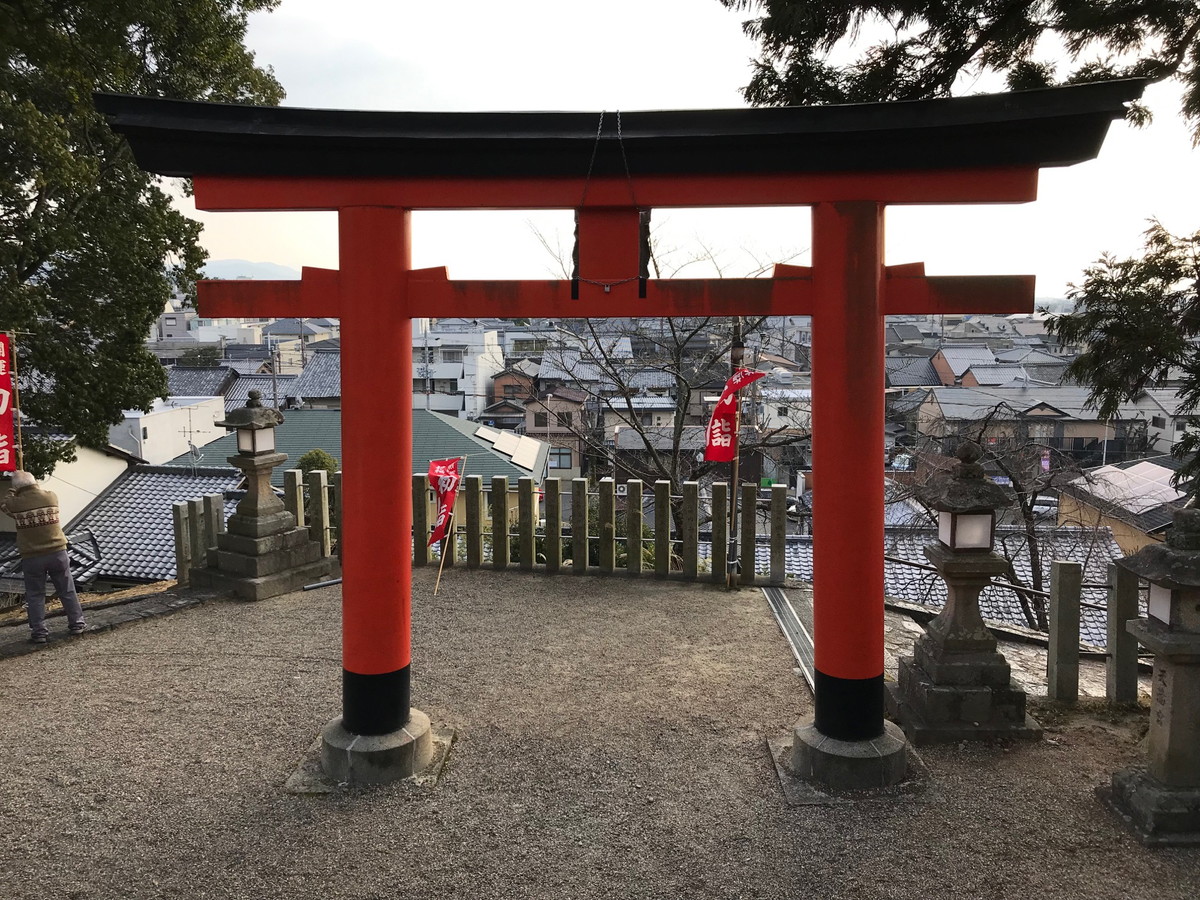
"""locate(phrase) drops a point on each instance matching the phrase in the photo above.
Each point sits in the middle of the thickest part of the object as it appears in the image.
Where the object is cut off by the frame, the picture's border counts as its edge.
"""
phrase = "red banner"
(8, 457)
(721, 443)
(444, 476)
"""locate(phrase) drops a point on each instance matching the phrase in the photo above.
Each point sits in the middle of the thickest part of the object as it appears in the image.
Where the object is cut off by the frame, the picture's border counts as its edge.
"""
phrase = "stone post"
(1161, 799)
(956, 686)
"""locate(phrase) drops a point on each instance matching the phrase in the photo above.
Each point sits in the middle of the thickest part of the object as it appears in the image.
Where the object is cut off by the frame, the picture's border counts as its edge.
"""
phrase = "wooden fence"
(529, 529)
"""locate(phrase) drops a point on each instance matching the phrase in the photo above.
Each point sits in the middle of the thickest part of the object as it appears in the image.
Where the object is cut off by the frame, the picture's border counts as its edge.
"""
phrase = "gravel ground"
(611, 742)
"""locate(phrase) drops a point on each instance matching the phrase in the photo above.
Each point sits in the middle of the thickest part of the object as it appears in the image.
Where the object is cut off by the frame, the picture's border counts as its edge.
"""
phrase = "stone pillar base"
(246, 587)
(1158, 814)
(377, 758)
(849, 765)
(933, 713)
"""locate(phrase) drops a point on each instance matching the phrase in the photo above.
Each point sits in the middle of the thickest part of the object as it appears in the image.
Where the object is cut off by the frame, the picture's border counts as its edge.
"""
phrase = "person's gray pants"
(58, 567)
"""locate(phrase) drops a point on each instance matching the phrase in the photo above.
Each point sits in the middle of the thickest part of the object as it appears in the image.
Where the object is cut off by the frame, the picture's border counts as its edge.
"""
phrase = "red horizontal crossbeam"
(316, 293)
(1005, 185)
(908, 291)
(431, 294)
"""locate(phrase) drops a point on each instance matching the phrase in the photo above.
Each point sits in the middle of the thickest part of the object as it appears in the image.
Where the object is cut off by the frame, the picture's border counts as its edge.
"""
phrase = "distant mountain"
(243, 268)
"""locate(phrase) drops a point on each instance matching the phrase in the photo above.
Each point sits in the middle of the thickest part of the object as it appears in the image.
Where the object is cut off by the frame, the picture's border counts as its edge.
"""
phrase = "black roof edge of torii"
(1048, 127)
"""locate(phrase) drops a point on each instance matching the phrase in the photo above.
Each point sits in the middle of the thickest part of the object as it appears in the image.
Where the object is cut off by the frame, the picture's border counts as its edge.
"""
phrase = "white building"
(170, 428)
(453, 369)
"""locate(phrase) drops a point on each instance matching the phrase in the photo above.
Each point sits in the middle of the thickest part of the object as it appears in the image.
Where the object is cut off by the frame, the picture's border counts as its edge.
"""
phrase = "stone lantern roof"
(965, 488)
(1175, 563)
(253, 416)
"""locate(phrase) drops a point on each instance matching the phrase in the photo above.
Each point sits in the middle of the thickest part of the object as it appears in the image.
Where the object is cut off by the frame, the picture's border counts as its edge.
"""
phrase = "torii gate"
(848, 163)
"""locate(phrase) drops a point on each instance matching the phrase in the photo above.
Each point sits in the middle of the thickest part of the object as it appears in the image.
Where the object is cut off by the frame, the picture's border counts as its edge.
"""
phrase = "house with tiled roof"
(274, 390)
(505, 415)
(909, 372)
(1135, 499)
(319, 385)
(953, 360)
(131, 523)
(199, 381)
(1059, 418)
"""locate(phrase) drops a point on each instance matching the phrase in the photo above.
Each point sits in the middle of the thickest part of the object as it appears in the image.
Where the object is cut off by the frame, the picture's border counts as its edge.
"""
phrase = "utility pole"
(274, 372)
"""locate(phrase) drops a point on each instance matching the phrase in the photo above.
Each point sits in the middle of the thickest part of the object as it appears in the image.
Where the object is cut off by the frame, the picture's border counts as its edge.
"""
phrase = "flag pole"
(449, 535)
(736, 350)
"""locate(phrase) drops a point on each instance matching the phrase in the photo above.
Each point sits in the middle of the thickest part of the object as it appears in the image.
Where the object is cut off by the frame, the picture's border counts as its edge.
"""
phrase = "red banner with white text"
(8, 456)
(721, 442)
(444, 476)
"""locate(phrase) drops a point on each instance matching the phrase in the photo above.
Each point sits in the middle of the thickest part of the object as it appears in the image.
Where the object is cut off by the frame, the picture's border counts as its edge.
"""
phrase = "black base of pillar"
(375, 704)
(848, 709)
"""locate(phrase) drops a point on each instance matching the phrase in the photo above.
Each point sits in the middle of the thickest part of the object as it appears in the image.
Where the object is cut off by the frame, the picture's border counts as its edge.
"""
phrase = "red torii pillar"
(847, 291)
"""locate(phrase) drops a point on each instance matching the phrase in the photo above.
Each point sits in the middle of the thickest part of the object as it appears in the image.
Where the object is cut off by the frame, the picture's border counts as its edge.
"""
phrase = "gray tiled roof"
(959, 359)
(131, 521)
(1093, 548)
(972, 403)
(1000, 374)
(910, 371)
(293, 326)
(239, 391)
(199, 381)
(322, 377)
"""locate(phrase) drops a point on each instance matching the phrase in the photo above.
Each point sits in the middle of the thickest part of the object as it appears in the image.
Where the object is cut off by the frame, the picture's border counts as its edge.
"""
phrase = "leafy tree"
(1138, 319)
(924, 48)
(201, 356)
(317, 459)
(90, 246)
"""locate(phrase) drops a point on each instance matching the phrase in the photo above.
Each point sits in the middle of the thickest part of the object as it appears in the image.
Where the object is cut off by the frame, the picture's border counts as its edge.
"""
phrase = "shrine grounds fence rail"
(536, 530)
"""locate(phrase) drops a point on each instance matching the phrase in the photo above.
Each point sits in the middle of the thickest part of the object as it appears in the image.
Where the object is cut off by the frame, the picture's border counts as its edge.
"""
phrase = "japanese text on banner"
(444, 476)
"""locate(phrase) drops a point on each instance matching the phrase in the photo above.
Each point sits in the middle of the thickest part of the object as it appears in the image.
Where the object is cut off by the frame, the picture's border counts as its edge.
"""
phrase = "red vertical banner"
(8, 456)
(721, 445)
(444, 477)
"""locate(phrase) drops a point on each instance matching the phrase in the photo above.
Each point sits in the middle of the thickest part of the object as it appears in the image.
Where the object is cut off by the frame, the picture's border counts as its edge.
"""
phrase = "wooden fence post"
(579, 526)
(778, 533)
(749, 523)
(606, 526)
(1121, 672)
(552, 490)
(690, 525)
(720, 531)
(633, 526)
(183, 541)
(420, 535)
(1062, 657)
(662, 528)
(474, 503)
(318, 494)
(293, 494)
(526, 537)
(499, 522)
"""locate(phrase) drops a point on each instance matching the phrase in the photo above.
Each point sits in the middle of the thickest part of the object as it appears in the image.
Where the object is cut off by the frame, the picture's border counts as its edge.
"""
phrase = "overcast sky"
(662, 54)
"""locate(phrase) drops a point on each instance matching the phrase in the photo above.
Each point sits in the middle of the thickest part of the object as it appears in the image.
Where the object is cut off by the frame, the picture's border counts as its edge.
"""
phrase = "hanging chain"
(592, 162)
(608, 285)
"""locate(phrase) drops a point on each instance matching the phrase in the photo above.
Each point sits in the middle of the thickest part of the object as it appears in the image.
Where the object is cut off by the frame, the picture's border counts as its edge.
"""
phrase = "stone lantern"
(262, 553)
(956, 686)
(1161, 799)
